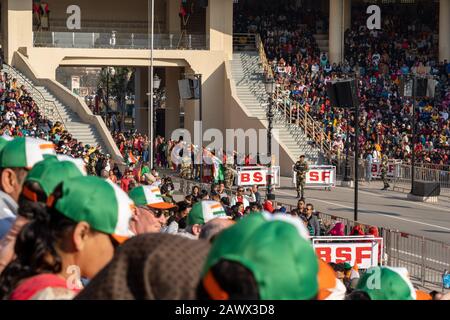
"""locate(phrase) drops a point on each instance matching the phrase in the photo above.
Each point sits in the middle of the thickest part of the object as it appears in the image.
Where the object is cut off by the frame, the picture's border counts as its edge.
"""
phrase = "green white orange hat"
(25, 152)
(76, 161)
(48, 174)
(387, 283)
(204, 211)
(4, 140)
(149, 196)
(276, 250)
(100, 203)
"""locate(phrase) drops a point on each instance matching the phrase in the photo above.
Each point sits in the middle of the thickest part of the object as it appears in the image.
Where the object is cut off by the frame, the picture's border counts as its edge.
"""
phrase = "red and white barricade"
(364, 251)
(255, 175)
(318, 176)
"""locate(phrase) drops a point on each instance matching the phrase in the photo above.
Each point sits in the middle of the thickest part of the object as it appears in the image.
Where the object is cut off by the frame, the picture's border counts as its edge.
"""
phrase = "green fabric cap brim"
(281, 260)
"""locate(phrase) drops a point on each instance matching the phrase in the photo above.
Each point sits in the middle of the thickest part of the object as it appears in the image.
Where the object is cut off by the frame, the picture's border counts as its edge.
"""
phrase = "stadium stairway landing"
(248, 77)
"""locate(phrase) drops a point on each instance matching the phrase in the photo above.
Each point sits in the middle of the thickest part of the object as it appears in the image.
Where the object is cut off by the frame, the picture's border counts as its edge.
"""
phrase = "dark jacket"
(315, 225)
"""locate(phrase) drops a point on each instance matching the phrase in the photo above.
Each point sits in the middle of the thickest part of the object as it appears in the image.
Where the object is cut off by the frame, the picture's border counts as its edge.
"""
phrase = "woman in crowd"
(72, 237)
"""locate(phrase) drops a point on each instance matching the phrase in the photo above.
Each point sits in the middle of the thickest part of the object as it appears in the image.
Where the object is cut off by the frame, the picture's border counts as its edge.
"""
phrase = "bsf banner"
(392, 164)
(318, 176)
(249, 176)
(363, 251)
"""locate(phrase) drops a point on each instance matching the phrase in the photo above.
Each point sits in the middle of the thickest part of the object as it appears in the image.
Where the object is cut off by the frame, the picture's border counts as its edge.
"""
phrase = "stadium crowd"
(378, 59)
(83, 229)
(58, 238)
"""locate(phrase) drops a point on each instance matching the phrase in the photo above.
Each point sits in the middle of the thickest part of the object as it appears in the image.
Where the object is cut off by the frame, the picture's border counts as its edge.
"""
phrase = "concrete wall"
(219, 22)
(107, 10)
(237, 116)
(17, 26)
(76, 103)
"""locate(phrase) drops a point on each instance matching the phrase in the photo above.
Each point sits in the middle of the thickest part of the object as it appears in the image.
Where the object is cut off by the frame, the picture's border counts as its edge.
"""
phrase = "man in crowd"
(201, 213)
(313, 222)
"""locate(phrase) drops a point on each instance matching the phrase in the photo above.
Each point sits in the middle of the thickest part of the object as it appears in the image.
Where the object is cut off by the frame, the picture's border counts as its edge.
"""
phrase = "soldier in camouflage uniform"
(300, 168)
(384, 170)
(229, 172)
(186, 164)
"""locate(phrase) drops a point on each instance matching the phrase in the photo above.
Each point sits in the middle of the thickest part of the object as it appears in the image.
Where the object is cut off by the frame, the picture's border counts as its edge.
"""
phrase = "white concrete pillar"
(18, 27)
(444, 30)
(173, 24)
(172, 118)
(347, 14)
(336, 31)
(141, 100)
(219, 26)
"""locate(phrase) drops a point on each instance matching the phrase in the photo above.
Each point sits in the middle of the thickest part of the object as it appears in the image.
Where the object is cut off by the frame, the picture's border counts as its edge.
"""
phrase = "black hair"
(225, 201)
(31, 209)
(203, 194)
(35, 246)
(338, 267)
(357, 295)
(235, 279)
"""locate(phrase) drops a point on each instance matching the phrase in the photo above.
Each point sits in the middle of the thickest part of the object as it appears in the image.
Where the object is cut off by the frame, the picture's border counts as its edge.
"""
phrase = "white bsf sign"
(365, 252)
(249, 176)
(392, 165)
(318, 176)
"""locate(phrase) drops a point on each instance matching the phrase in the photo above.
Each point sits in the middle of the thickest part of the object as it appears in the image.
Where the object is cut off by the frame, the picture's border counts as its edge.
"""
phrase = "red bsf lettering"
(363, 253)
(257, 177)
(245, 177)
(344, 254)
(324, 254)
(324, 175)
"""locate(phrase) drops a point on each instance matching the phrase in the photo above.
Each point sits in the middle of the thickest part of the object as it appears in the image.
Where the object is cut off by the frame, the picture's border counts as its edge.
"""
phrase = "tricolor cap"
(84, 199)
(4, 141)
(387, 283)
(276, 250)
(62, 157)
(149, 196)
(25, 152)
(330, 288)
(49, 173)
(204, 211)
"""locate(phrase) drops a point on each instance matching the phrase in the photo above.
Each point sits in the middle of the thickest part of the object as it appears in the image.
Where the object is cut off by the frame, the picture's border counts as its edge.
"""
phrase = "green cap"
(204, 211)
(149, 196)
(101, 203)
(51, 172)
(387, 283)
(25, 152)
(276, 249)
(4, 140)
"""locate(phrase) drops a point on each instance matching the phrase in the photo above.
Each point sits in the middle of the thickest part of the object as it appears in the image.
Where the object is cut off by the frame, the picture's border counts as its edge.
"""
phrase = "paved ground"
(392, 210)
(382, 208)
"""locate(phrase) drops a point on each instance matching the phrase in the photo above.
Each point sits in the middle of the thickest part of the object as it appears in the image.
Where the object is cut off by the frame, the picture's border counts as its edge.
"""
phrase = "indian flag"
(218, 169)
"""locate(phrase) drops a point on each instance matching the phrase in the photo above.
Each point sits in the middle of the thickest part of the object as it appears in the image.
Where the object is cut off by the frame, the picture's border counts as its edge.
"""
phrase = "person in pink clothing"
(338, 230)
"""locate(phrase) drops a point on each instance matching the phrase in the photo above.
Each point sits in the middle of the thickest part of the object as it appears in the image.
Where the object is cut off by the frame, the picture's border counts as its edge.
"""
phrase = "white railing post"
(132, 40)
(73, 39)
(171, 41)
(93, 40)
(53, 38)
(190, 42)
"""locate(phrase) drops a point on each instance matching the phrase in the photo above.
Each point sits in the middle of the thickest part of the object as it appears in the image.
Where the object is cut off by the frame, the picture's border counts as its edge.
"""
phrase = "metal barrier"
(425, 259)
(114, 40)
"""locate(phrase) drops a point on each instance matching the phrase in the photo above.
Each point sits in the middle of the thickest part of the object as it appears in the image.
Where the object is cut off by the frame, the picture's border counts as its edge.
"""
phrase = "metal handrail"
(312, 128)
(38, 97)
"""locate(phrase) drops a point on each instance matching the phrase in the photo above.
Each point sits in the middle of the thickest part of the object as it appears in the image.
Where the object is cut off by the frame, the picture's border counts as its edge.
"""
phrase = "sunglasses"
(240, 190)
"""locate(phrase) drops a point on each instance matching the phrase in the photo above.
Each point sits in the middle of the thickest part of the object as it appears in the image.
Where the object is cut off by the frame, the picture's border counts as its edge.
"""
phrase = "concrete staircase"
(248, 77)
(322, 42)
(81, 131)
